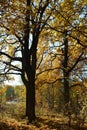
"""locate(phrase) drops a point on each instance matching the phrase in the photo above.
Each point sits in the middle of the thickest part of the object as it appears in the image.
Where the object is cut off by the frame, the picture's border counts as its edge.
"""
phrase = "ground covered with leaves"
(44, 123)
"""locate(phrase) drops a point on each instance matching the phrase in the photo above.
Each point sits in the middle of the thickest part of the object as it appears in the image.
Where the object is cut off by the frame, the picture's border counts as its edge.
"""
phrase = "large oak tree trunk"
(30, 95)
(30, 102)
(28, 77)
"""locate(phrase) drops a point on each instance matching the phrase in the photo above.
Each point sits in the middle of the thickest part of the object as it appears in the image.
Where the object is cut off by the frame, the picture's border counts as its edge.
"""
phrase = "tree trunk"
(30, 102)
(30, 98)
(65, 70)
(66, 89)
(28, 77)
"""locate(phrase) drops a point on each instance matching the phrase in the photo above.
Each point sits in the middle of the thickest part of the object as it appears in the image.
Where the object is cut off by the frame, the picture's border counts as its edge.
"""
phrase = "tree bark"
(65, 70)
(66, 89)
(29, 81)
(30, 102)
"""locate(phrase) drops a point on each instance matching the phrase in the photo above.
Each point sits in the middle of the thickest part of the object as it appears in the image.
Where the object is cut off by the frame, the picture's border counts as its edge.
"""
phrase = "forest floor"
(43, 123)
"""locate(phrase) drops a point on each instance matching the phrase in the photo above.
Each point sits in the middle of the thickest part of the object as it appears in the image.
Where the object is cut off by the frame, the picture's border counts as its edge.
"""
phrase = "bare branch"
(50, 69)
(74, 65)
(12, 58)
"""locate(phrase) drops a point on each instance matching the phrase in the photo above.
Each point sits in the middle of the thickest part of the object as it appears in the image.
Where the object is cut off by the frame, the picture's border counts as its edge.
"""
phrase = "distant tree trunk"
(66, 89)
(50, 96)
(65, 70)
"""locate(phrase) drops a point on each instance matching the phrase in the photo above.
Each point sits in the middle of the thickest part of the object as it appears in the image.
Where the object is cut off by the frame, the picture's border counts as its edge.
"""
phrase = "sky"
(16, 81)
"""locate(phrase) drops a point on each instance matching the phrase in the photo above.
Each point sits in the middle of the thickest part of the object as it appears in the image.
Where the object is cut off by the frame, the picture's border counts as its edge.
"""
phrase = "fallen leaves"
(39, 124)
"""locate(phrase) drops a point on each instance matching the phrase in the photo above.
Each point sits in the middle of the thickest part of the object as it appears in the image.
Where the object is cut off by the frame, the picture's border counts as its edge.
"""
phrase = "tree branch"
(12, 58)
(74, 65)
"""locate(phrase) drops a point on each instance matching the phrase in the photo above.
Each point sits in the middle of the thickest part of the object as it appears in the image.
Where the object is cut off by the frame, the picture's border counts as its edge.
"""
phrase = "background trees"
(71, 39)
